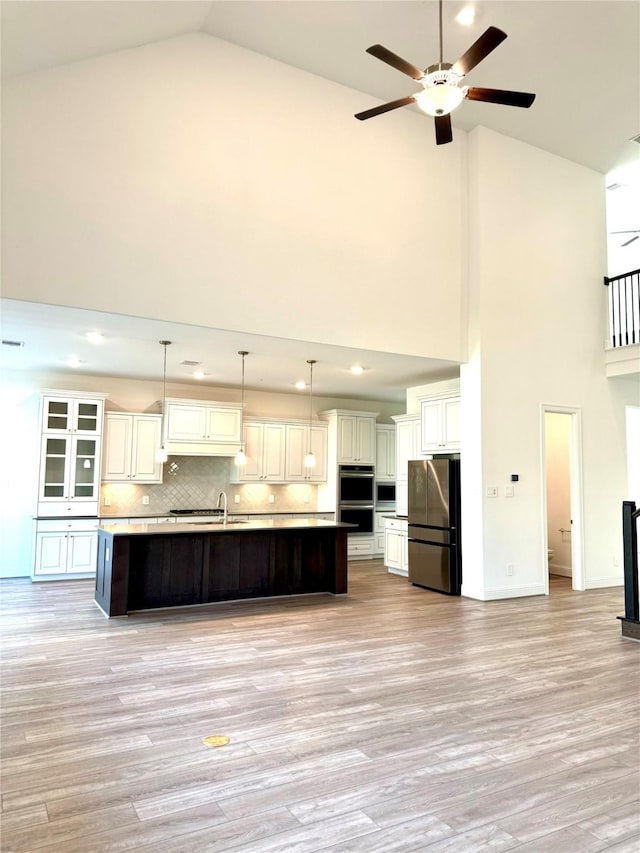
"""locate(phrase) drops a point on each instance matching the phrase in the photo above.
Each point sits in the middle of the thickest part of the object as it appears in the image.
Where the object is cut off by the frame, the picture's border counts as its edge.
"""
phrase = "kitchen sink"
(225, 523)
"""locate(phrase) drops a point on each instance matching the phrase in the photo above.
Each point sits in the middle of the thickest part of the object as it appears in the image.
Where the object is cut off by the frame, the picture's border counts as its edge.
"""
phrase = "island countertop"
(230, 526)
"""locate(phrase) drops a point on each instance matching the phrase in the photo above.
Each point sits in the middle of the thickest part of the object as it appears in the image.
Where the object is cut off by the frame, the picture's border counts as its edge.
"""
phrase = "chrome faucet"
(220, 497)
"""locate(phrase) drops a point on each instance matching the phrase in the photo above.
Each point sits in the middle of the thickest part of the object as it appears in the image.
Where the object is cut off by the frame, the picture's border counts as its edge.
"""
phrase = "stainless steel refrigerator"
(434, 524)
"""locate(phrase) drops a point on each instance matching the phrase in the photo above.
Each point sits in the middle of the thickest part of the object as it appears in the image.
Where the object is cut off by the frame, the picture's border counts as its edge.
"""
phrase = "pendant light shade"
(161, 453)
(310, 459)
(241, 456)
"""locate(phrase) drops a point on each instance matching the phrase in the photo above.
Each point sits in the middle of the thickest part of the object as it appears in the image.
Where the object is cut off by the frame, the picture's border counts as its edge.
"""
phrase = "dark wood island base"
(141, 567)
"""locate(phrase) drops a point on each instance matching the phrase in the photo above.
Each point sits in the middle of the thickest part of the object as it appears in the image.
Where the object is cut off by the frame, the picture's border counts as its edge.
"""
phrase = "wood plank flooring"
(388, 720)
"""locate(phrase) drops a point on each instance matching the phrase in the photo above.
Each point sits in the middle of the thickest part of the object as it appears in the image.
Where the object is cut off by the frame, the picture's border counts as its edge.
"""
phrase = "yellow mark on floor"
(215, 740)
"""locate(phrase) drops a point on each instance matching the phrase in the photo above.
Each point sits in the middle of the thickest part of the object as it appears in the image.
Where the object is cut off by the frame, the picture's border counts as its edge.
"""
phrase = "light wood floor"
(389, 720)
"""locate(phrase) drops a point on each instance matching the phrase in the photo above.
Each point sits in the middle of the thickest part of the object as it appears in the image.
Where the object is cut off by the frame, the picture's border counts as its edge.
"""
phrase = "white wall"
(537, 255)
(195, 181)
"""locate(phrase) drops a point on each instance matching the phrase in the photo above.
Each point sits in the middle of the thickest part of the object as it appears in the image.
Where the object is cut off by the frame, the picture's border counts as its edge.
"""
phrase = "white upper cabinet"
(265, 452)
(198, 427)
(131, 442)
(440, 425)
(356, 439)
(298, 446)
(67, 415)
(276, 453)
(385, 452)
(70, 454)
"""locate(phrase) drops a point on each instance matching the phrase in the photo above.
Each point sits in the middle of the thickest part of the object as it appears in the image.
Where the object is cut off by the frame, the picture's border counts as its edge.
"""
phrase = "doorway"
(562, 495)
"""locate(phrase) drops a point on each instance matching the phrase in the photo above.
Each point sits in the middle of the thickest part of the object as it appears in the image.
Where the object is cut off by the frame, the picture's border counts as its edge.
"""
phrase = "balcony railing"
(624, 309)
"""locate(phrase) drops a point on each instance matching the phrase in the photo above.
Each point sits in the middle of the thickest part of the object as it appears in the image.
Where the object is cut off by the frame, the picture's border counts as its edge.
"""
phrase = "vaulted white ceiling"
(580, 58)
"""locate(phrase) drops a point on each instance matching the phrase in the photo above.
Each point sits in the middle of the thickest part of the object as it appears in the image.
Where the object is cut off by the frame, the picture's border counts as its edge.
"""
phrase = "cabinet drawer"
(67, 526)
(360, 548)
(396, 524)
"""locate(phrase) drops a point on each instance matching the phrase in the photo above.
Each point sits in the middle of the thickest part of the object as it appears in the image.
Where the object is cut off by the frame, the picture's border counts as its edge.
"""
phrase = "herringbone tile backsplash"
(194, 482)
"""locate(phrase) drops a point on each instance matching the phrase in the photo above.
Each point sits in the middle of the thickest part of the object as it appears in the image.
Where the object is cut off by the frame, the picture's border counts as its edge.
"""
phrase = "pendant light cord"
(440, 18)
(243, 353)
(165, 344)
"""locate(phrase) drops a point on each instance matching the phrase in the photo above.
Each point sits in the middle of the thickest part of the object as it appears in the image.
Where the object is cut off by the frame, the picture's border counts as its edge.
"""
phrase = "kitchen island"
(146, 566)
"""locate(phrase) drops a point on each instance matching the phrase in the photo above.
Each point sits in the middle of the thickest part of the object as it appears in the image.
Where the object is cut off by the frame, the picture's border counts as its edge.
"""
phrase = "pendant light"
(161, 454)
(241, 456)
(310, 459)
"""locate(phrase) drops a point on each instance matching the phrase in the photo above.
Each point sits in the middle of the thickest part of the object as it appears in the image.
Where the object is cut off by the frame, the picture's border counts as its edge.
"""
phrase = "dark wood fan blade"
(395, 61)
(500, 96)
(488, 41)
(384, 108)
(443, 129)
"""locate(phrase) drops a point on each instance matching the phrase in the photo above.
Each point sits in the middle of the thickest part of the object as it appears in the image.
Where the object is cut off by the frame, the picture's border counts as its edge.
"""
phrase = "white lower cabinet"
(379, 533)
(395, 546)
(65, 548)
(360, 547)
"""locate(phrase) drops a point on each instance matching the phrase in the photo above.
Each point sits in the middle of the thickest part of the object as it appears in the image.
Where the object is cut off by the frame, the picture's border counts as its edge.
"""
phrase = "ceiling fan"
(441, 91)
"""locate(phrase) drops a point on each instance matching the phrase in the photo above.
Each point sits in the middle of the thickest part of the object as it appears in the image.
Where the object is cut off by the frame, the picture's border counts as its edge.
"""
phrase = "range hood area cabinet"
(131, 443)
(202, 427)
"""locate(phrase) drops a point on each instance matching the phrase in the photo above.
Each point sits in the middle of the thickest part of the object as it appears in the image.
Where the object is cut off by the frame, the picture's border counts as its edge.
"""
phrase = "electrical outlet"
(306, 499)
(145, 500)
(236, 499)
(272, 499)
(107, 501)
(509, 569)
(492, 491)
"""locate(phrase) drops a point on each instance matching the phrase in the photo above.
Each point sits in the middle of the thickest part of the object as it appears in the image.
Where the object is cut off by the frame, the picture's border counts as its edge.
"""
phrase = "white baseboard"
(497, 593)
(564, 571)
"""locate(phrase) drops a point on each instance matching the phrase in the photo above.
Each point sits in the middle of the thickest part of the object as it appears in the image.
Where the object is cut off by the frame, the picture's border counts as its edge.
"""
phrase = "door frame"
(576, 489)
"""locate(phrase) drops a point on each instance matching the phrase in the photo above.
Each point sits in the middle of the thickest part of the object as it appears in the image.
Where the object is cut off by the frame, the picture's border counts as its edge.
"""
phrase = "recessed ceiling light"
(74, 362)
(300, 385)
(94, 337)
(198, 374)
(356, 369)
(466, 16)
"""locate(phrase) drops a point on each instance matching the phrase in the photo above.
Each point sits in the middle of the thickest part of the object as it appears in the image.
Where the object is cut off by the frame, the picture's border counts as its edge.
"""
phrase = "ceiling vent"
(6, 343)
(191, 363)
(635, 139)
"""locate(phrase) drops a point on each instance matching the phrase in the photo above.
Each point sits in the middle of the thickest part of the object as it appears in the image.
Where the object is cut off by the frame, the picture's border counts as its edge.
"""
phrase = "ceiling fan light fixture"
(441, 93)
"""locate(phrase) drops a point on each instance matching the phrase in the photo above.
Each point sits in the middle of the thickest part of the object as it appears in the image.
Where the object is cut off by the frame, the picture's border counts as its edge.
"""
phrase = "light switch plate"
(508, 491)
(272, 499)
(236, 499)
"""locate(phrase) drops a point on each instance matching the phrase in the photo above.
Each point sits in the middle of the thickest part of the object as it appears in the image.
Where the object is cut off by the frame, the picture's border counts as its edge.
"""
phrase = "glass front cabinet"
(70, 456)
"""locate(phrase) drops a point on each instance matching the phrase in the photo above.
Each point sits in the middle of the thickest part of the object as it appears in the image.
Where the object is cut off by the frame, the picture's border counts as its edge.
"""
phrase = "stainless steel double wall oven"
(356, 496)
